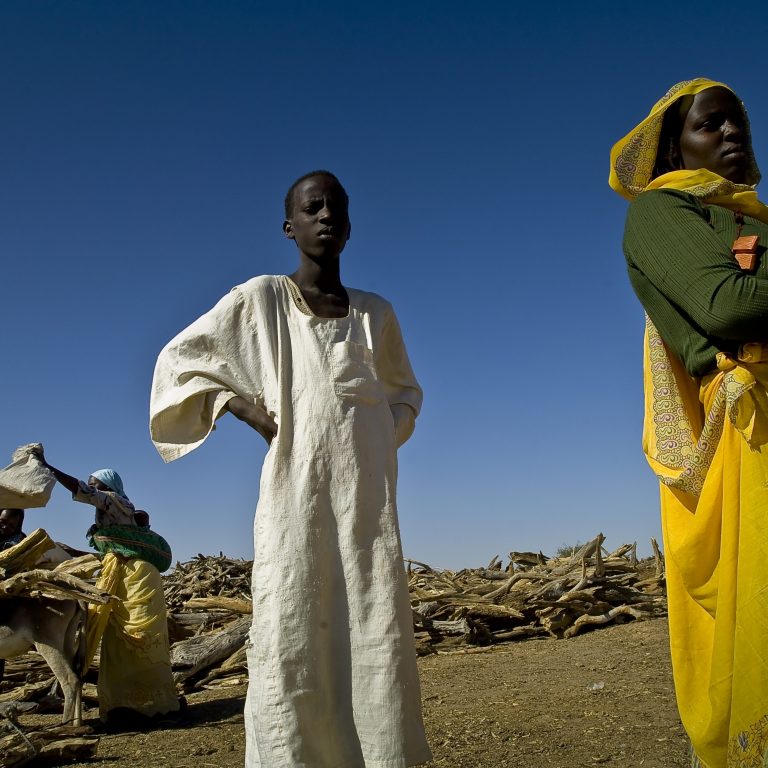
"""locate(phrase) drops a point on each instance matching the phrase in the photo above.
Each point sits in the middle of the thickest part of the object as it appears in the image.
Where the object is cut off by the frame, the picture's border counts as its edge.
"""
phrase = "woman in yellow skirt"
(135, 677)
(695, 247)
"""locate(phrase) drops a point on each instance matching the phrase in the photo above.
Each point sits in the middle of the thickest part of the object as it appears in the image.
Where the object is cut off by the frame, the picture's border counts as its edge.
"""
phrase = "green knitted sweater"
(678, 253)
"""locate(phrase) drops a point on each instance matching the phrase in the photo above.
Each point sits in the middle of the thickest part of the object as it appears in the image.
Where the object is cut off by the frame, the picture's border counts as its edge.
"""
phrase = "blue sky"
(147, 147)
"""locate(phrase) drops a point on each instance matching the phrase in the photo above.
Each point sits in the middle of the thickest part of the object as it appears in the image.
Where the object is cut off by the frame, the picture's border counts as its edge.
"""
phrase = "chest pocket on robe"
(354, 375)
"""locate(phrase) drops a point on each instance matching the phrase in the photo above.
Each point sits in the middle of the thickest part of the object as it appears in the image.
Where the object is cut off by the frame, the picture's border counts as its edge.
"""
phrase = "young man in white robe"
(320, 371)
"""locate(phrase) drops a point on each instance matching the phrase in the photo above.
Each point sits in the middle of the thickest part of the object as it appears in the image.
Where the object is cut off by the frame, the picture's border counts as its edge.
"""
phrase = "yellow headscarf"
(633, 159)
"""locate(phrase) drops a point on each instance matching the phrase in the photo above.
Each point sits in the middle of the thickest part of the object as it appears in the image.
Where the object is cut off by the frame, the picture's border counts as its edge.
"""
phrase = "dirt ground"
(602, 698)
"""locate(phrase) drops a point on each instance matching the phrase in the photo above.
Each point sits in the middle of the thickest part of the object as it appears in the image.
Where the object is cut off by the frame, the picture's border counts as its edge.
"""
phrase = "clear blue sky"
(146, 149)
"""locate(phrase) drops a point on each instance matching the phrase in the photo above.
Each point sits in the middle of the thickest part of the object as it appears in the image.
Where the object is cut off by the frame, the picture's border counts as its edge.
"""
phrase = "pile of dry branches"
(53, 584)
(30, 679)
(209, 606)
(209, 600)
(49, 746)
(534, 595)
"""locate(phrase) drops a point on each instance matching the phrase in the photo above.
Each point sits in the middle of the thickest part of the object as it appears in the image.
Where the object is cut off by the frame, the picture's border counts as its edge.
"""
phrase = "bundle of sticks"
(534, 595)
(44, 746)
(209, 606)
(53, 584)
(28, 680)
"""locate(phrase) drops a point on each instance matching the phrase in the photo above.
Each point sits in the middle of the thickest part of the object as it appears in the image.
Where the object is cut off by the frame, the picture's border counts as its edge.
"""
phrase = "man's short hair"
(290, 193)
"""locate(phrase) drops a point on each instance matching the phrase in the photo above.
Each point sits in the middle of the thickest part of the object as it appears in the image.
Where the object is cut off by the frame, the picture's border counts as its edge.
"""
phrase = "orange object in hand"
(745, 251)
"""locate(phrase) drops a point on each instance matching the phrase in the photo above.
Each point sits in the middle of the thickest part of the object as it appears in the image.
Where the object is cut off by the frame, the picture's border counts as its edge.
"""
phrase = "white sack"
(25, 482)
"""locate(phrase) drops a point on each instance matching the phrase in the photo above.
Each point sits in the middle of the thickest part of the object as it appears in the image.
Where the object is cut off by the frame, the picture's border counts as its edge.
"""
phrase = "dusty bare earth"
(602, 698)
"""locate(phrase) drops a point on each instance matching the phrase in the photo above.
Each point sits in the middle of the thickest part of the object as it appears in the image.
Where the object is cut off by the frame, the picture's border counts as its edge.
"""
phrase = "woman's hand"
(72, 484)
(254, 416)
(37, 452)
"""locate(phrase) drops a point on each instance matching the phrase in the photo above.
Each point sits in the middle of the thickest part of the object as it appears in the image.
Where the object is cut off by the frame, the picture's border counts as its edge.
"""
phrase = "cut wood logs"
(535, 595)
(209, 606)
(52, 746)
(207, 577)
(42, 582)
(26, 553)
(189, 657)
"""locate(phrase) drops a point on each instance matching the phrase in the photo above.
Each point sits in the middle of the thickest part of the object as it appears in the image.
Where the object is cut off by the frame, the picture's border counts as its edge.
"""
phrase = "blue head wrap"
(111, 479)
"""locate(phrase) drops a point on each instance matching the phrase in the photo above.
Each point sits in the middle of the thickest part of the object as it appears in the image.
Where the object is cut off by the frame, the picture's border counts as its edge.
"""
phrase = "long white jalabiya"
(332, 669)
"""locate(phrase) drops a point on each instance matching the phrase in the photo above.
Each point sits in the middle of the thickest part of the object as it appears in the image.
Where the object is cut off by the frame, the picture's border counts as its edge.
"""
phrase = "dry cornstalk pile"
(534, 595)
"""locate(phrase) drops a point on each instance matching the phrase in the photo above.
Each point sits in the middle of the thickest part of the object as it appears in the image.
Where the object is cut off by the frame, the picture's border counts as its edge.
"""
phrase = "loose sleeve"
(111, 507)
(396, 374)
(199, 371)
(669, 239)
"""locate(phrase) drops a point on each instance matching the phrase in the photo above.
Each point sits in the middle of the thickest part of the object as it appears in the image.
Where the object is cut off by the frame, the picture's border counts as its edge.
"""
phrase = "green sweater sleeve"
(670, 240)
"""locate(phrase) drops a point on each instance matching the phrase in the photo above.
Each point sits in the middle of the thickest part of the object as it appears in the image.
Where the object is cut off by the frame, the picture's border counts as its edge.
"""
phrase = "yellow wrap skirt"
(708, 444)
(135, 667)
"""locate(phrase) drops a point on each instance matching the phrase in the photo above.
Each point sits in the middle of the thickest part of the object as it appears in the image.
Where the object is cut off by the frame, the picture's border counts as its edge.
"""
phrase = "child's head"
(317, 215)
(290, 194)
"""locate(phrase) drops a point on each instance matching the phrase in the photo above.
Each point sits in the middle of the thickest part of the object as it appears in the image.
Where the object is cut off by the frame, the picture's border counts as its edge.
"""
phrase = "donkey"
(56, 628)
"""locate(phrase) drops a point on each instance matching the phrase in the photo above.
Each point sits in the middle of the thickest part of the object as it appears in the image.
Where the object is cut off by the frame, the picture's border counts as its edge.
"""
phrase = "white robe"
(332, 669)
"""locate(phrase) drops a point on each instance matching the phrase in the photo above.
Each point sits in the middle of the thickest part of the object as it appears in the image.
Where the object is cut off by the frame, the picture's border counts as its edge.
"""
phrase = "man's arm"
(254, 416)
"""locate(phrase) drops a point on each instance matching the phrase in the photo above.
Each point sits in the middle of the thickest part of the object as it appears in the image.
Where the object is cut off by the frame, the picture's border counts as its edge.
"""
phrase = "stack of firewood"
(207, 577)
(534, 595)
(26, 684)
(209, 606)
(52, 584)
(45, 746)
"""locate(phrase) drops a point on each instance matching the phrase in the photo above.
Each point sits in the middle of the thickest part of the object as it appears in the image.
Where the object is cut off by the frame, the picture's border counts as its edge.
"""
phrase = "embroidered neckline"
(298, 299)
(303, 307)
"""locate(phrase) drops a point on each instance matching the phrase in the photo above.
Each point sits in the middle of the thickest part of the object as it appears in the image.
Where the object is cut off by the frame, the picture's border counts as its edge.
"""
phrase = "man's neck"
(321, 278)
(321, 286)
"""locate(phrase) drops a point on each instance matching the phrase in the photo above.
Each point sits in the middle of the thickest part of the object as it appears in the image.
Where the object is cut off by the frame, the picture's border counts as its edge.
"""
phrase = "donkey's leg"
(71, 685)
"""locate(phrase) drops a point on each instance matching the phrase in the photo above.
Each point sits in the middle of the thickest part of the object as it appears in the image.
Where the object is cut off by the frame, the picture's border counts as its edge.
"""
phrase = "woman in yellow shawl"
(695, 246)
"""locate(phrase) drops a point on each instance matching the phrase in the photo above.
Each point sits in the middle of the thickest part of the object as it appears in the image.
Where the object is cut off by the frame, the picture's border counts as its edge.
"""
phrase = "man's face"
(9, 524)
(319, 221)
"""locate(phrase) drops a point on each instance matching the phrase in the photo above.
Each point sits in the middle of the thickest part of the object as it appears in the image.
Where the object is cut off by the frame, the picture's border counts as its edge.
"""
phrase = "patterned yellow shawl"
(634, 157)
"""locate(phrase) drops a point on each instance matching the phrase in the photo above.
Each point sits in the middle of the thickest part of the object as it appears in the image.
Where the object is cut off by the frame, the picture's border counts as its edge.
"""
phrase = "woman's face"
(97, 484)
(714, 136)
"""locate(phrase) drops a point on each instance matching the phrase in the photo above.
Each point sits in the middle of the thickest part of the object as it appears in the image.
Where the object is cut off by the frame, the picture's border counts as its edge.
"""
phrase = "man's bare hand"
(254, 416)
